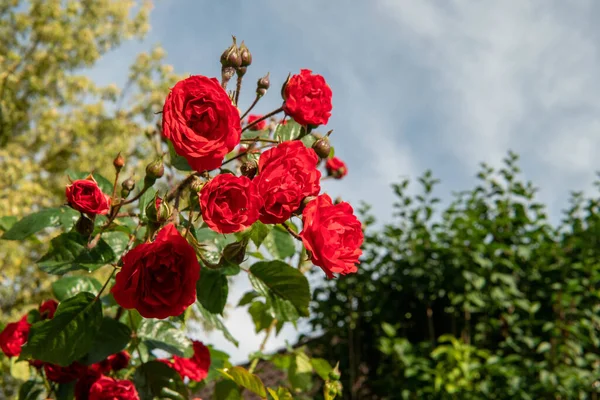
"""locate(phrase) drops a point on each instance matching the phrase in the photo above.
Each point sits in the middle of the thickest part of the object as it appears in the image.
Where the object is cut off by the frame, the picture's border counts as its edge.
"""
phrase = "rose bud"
(197, 184)
(263, 85)
(154, 171)
(249, 169)
(119, 162)
(231, 57)
(322, 147)
(126, 187)
(164, 211)
(234, 252)
(283, 94)
(245, 55)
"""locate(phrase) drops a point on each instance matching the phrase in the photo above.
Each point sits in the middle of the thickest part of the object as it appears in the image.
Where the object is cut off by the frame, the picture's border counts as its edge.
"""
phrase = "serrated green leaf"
(7, 222)
(152, 377)
(227, 390)
(261, 316)
(279, 243)
(69, 286)
(321, 367)
(258, 233)
(69, 335)
(309, 141)
(117, 240)
(246, 380)
(111, 339)
(300, 372)
(164, 335)
(289, 131)
(247, 298)
(69, 252)
(178, 161)
(212, 289)
(33, 223)
(213, 321)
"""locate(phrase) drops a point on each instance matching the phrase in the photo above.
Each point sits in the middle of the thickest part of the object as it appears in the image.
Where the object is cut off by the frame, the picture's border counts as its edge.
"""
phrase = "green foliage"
(164, 335)
(212, 289)
(246, 380)
(485, 298)
(155, 379)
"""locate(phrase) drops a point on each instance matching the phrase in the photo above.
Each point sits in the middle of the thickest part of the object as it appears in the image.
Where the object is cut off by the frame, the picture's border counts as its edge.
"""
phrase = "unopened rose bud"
(338, 200)
(249, 168)
(234, 253)
(306, 200)
(335, 374)
(263, 85)
(231, 56)
(163, 210)
(154, 171)
(283, 95)
(322, 147)
(119, 162)
(197, 184)
(126, 187)
(84, 226)
(245, 55)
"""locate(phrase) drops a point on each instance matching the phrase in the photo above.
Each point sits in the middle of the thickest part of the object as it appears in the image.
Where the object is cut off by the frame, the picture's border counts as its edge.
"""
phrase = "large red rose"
(332, 235)
(14, 336)
(286, 175)
(201, 122)
(48, 308)
(106, 388)
(229, 203)
(259, 126)
(336, 168)
(56, 373)
(158, 279)
(196, 367)
(308, 98)
(85, 196)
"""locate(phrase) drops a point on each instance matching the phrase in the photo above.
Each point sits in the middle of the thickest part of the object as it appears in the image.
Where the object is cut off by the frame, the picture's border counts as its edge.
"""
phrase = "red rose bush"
(229, 192)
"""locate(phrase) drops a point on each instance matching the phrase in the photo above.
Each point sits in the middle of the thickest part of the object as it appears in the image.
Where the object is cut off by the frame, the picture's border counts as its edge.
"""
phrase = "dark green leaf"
(212, 290)
(152, 377)
(111, 339)
(247, 298)
(245, 379)
(117, 241)
(69, 252)
(69, 286)
(218, 360)
(300, 372)
(277, 280)
(30, 390)
(146, 198)
(213, 321)
(309, 140)
(164, 335)
(261, 315)
(69, 335)
(33, 223)
(227, 390)
(289, 131)
(178, 161)
(280, 243)
(65, 391)
(258, 233)
(7, 222)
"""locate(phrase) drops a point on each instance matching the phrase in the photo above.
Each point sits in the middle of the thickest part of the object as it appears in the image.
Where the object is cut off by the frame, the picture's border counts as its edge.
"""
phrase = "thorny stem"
(294, 234)
(238, 89)
(256, 99)
(233, 158)
(266, 116)
(262, 345)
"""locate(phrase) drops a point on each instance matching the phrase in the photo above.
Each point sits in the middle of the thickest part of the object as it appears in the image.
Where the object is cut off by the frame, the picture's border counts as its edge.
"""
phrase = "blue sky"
(417, 84)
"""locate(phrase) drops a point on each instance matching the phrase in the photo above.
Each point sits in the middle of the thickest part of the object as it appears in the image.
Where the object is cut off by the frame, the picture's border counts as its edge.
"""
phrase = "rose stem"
(251, 107)
(294, 234)
(269, 115)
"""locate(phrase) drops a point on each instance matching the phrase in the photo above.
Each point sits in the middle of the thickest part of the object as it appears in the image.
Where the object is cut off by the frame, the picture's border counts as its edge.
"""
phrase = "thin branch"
(256, 99)
(263, 345)
(238, 89)
(259, 139)
(294, 234)
(266, 116)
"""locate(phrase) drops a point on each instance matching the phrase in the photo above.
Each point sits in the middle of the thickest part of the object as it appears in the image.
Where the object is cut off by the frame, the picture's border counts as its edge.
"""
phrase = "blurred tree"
(52, 115)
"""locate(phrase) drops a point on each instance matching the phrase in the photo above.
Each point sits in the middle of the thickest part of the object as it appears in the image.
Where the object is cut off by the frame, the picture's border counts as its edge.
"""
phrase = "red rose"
(229, 203)
(85, 382)
(308, 99)
(58, 374)
(102, 367)
(196, 367)
(14, 336)
(85, 196)
(332, 235)
(336, 168)
(286, 175)
(119, 361)
(48, 308)
(106, 388)
(259, 126)
(201, 122)
(158, 279)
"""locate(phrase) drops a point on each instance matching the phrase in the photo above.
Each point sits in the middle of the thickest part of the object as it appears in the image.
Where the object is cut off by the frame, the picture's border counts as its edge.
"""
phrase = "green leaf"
(280, 243)
(247, 298)
(111, 339)
(152, 377)
(30, 390)
(212, 290)
(178, 161)
(146, 198)
(309, 141)
(69, 335)
(69, 286)
(227, 390)
(260, 315)
(300, 372)
(33, 223)
(258, 233)
(322, 367)
(69, 252)
(289, 131)
(117, 241)
(7, 222)
(277, 280)
(103, 183)
(245, 379)
(164, 335)
(281, 394)
(65, 391)
(214, 322)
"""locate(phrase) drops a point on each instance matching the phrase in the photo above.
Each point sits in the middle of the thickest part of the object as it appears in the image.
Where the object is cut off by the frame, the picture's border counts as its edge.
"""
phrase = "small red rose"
(119, 361)
(106, 388)
(58, 374)
(14, 336)
(196, 368)
(48, 308)
(85, 196)
(85, 382)
(158, 279)
(336, 168)
(229, 203)
(201, 122)
(332, 234)
(308, 98)
(259, 126)
(286, 175)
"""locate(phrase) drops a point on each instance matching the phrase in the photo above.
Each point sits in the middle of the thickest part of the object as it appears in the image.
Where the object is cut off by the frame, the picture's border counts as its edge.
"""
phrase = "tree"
(485, 298)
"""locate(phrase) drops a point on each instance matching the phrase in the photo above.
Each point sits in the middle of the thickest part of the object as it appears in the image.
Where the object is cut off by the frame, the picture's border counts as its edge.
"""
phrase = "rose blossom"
(201, 122)
(48, 308)
(158, 279)
(229, 203)
(106, 388)
(85, 196)
(58, 374)
(14, 336)
(259, 126)
(286, 175)
(195, 367)
(308, 98)
(336, 168)
(332, 235)
(119, 361)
